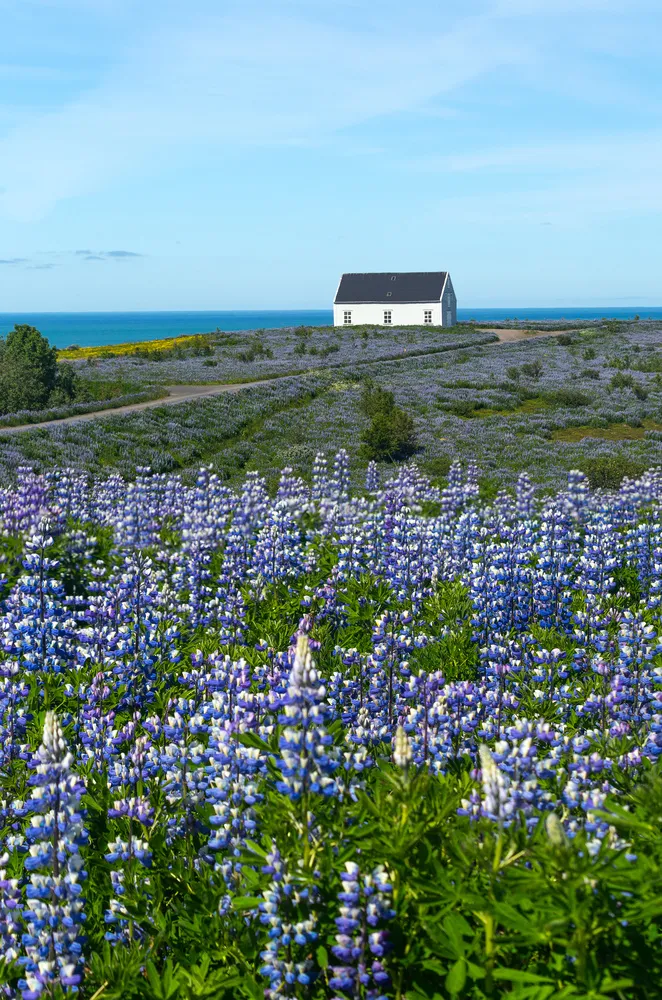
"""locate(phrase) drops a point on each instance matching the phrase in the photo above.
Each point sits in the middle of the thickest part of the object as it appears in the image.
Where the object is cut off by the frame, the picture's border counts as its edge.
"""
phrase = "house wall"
(449, 304)
(402, 313)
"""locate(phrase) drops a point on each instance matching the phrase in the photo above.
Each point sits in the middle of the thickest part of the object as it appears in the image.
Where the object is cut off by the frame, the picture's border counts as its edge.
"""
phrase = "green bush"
(567, 397)
(376, 400)
(607, 472)
(390, 437)
(463, 407)
(621, 381)
(391, 434)
(437, 467)
(533, 369)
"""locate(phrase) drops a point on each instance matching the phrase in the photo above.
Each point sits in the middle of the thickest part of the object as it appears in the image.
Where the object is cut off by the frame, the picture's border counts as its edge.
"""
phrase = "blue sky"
(225, 155)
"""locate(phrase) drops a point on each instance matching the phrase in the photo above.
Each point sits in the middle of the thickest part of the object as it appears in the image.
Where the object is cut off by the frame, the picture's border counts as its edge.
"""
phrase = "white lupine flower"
(402, 752)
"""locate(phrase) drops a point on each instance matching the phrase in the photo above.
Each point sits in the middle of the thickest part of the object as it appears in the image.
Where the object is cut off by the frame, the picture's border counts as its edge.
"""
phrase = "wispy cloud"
(60, 257)
(216, 82)
(107, 254)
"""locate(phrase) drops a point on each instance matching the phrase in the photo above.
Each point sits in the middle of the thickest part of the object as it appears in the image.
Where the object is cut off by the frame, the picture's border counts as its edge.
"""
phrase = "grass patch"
(468, 410)
(615, 432)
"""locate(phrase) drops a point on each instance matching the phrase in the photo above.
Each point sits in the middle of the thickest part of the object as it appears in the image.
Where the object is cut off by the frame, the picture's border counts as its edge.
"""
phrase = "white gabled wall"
(448, 303)
(402, 313)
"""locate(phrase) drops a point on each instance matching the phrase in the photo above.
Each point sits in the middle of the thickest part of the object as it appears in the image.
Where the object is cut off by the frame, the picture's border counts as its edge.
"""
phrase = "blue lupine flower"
(52, 943)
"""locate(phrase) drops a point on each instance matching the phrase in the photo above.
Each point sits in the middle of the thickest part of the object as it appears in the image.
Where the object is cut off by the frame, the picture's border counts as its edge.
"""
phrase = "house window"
(427, 314)
(347, 317)
(387, 317)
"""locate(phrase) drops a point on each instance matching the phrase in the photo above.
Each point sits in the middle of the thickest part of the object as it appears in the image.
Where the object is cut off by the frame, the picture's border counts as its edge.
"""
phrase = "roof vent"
(393, 277)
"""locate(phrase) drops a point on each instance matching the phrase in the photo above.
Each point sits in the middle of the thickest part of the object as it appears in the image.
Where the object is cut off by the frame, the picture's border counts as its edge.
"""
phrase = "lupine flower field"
(547, 404)
(390, 744)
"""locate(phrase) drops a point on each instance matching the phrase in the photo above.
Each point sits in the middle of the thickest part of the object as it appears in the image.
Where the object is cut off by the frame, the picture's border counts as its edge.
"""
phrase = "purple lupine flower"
(366, 907)
(52, 944)
(308, 758)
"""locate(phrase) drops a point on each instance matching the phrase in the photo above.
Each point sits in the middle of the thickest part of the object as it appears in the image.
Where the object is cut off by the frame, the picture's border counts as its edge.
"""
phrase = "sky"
(242, 154)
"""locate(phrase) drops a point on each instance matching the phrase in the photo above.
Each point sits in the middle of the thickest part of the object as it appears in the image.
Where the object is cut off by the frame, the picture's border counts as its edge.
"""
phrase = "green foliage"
(28, 370)
(67, 386)
(376, 400)
(391, 434)
(533, 369)
(464, 407)
(567, 397)
(438, 467)
(608, 471)
(481, 913)
(256, 349)
(390, 437)
(621, 381)
(651, 364)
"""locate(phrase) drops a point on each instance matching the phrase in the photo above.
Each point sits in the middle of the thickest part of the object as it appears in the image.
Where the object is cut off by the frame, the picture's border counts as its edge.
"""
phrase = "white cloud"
(192, 85)
(234, 80)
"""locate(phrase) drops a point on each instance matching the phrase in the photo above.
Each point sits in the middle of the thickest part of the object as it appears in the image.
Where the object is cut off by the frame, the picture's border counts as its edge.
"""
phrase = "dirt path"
(176, 394)
(186, 393)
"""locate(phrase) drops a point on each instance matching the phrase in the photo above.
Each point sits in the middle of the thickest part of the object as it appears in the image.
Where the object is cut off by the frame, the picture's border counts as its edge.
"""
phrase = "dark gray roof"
(391, 286)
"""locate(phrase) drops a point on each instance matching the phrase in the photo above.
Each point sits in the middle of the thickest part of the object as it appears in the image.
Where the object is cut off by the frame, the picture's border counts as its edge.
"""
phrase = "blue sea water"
(94, 329)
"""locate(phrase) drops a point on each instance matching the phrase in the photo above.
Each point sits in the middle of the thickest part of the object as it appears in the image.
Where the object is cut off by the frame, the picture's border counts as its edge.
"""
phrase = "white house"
(411, 298)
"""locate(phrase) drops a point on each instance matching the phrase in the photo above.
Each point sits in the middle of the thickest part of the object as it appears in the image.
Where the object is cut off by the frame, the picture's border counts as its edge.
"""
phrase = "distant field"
(192, 342)
(235, 357)
(546, 405)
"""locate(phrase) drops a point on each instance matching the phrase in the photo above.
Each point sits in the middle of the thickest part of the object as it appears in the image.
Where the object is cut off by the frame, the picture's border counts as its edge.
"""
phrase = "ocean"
(94, 329)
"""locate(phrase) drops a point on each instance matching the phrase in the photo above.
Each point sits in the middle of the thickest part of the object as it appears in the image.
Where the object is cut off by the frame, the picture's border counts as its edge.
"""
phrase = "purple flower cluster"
(210, 648)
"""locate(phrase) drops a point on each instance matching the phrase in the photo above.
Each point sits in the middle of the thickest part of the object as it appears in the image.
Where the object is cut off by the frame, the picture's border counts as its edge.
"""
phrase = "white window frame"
(427, 316)
(347, 317)
(388, 317)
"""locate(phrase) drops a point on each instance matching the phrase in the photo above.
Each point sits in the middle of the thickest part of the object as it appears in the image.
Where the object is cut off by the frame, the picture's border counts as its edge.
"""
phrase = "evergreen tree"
(28, 370)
